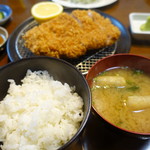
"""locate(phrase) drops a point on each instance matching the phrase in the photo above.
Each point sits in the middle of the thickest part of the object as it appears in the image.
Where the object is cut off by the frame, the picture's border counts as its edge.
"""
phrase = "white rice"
(39, 114)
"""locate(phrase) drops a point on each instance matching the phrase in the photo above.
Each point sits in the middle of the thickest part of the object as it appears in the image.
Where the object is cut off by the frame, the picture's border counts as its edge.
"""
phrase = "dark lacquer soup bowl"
(121, 94)
(64, 74)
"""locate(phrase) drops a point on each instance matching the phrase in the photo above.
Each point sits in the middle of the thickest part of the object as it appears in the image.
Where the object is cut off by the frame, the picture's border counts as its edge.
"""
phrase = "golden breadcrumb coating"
(71, 35)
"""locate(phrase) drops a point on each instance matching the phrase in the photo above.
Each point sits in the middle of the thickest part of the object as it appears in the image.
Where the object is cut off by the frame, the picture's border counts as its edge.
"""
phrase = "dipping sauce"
(122, 96)
(1, 39)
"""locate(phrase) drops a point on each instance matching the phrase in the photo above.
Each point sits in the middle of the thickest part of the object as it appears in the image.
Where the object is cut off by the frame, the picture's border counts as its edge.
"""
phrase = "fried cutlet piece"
(71, 35)
(57, 37)
(99, 30)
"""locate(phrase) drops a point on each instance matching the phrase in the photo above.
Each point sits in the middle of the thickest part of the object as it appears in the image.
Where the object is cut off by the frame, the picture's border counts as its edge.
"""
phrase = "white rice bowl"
(41, 113)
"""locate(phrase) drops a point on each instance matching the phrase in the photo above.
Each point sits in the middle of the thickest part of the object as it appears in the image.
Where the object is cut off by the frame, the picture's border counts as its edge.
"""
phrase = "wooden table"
(120, 10)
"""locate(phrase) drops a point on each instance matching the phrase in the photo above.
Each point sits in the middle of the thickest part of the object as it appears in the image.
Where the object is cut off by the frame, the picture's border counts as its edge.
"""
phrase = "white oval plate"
(98, 3)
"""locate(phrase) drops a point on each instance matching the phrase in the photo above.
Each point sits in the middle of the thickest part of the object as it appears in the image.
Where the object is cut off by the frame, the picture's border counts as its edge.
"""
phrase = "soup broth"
(122, 96)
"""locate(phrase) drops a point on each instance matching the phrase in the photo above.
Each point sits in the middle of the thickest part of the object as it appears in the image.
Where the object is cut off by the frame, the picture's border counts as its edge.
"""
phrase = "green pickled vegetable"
(146, 26)
(1, 15)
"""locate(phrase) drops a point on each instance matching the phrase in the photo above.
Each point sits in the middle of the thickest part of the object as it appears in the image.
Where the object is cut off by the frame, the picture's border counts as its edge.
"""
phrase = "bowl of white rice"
(45, 104)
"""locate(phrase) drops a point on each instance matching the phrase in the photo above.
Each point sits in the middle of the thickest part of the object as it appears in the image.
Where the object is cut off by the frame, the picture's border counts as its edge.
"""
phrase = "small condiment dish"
(136, 21)
(7, 12)
(3, 38)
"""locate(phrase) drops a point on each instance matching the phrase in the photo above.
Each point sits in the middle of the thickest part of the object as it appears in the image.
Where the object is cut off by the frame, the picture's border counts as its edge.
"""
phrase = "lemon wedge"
(44, 11)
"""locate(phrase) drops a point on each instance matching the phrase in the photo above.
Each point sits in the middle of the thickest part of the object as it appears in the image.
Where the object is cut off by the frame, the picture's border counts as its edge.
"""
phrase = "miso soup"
(122, 96)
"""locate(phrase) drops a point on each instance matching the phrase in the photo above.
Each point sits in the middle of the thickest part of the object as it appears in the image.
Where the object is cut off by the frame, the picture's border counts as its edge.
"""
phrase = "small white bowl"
(136, 20)
(4, 37)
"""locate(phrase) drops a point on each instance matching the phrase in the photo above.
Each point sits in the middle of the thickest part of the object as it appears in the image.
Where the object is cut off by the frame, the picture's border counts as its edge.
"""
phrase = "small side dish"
(138, 21)
(5, 13)
(3, 38)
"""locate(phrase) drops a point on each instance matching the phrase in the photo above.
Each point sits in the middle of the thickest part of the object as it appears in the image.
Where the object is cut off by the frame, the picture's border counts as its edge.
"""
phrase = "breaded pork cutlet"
(57, 37)
(99, 30)
(71, 35)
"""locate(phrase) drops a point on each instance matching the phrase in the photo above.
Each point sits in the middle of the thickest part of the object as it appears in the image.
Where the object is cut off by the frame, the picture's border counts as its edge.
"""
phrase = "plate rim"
(98, 4)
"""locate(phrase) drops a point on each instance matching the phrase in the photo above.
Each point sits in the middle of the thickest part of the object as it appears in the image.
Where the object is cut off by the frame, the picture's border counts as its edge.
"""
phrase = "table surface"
(120, 10)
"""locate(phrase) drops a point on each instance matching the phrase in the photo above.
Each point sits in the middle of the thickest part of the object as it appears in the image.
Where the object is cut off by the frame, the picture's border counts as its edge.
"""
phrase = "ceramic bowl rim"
(8, 10)
(6, 35)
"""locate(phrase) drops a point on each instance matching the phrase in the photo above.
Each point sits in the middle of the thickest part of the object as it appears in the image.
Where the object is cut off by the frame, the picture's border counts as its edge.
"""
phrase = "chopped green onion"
(133, 88)
(137, 72)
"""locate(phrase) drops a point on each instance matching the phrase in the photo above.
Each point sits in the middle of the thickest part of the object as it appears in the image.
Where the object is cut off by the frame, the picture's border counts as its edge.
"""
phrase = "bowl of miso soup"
(120, 87)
